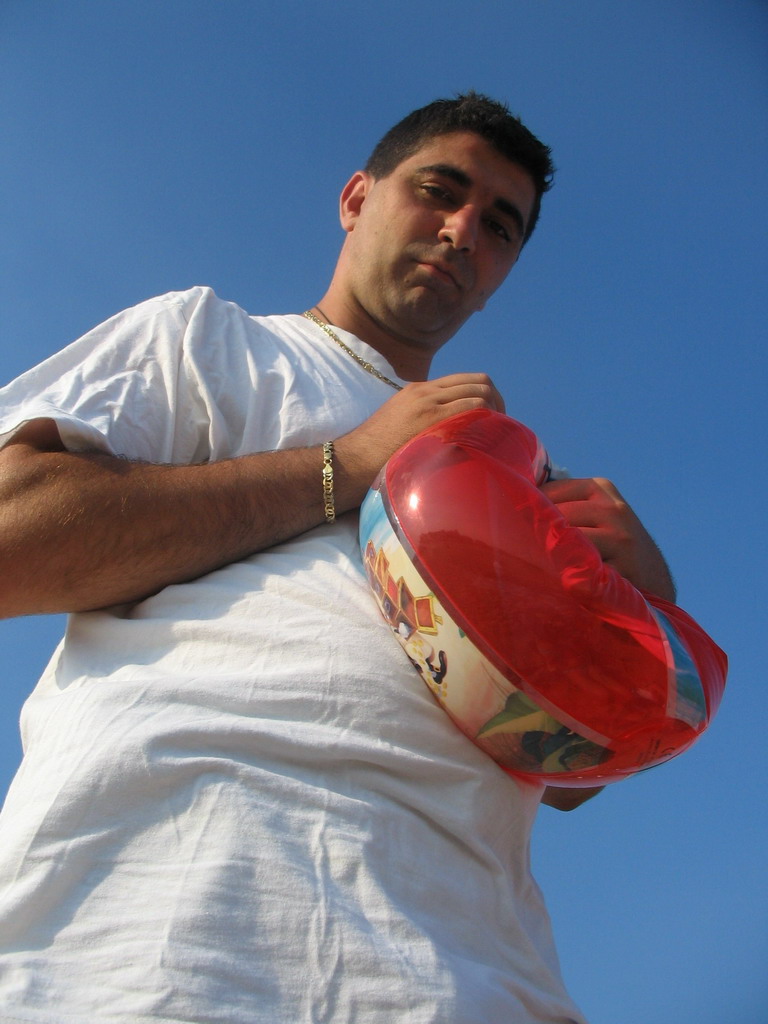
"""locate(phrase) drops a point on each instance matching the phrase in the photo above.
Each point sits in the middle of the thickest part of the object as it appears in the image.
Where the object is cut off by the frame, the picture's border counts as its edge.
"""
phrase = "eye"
(499, 230)
(437, 192)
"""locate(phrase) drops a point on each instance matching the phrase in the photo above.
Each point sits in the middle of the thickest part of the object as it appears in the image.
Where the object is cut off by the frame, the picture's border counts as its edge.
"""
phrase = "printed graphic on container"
(487, 705)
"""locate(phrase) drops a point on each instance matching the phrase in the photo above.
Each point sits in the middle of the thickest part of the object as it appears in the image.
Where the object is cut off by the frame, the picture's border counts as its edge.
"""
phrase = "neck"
(409, 359)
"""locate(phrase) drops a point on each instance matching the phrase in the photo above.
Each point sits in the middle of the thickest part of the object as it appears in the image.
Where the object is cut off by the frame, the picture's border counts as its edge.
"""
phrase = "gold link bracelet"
(330, 507)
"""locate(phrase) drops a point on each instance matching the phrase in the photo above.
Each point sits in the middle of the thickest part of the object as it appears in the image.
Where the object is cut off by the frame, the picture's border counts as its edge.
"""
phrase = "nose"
(460, 229)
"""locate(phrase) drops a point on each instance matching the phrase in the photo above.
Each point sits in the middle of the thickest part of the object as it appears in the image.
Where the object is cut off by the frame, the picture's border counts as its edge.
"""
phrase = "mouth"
(441, 272)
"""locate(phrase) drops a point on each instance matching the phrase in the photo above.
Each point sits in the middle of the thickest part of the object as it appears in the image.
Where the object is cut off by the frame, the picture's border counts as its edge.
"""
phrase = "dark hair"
(469, 112)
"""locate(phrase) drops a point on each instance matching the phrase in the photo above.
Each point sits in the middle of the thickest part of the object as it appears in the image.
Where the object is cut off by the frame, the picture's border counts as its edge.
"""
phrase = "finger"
(603, 540)
(460, 386)
(595, 490)
(580, 489)
(452, 379)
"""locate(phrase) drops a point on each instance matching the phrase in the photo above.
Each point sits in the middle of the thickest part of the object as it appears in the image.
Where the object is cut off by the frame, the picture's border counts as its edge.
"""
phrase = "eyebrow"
(462, 178)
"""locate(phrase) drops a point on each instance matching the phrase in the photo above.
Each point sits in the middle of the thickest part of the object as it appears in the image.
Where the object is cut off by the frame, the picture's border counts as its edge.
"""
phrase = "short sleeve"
(124, 388)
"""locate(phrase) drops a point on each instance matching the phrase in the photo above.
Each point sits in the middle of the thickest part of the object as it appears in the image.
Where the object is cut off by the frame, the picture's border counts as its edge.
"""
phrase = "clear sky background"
(149, 146)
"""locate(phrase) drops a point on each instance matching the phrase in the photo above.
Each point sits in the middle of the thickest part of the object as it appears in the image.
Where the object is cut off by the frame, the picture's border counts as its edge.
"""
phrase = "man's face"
(430, 243)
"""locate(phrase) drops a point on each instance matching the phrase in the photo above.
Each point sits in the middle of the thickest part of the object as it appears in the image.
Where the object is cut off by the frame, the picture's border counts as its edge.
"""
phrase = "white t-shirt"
(238, 800)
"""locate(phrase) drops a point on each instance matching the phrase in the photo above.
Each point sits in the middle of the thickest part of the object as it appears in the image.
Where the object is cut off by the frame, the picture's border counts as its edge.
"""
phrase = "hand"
(361, 453)
(596, 507)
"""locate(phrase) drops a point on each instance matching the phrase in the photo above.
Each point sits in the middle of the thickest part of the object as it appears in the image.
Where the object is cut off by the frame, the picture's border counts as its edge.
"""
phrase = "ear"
(353, 196)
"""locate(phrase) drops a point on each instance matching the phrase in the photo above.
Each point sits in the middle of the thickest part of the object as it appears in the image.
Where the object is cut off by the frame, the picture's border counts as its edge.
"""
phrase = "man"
(238, 802)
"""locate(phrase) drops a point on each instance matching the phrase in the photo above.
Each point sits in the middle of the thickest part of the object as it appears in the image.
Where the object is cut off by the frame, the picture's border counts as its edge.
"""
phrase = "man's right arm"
(80, 531)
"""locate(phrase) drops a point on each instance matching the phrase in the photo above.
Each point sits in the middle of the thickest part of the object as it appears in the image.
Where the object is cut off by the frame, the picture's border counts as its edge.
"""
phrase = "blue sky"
(149, 146)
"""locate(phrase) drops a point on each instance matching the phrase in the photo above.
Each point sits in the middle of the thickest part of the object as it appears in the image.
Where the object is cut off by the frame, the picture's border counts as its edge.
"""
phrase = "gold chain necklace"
(358, 359)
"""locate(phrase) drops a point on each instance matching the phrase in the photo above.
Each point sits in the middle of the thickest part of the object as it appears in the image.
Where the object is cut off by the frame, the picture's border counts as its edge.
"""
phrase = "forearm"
(568, 799)
(83, 531)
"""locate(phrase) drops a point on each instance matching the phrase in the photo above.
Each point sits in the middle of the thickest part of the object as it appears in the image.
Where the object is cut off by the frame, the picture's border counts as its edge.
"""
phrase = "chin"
(427, 315)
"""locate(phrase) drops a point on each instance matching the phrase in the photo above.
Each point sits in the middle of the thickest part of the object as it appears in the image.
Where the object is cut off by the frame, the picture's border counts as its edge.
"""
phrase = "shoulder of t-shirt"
(202, 298)
(185, 300)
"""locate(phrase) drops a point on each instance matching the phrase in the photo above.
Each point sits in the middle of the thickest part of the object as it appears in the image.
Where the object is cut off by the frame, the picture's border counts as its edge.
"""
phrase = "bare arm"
(598, 509)
(84, 531)
(563, 799)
